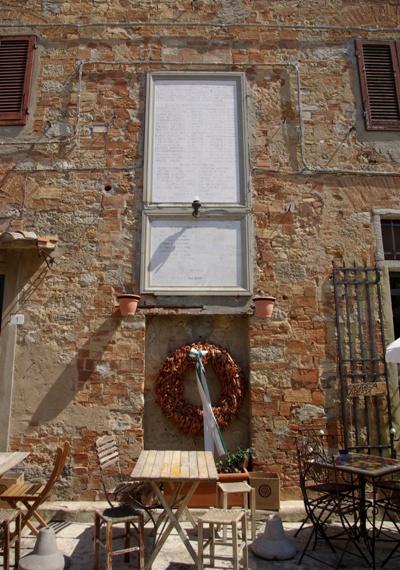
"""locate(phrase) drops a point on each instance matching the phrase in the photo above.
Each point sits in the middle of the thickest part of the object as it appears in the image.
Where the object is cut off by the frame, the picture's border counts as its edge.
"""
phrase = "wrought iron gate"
(363, 378)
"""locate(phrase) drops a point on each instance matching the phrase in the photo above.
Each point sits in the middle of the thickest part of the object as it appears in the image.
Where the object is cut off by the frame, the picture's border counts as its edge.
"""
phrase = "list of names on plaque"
(202, 254)
(196, 145)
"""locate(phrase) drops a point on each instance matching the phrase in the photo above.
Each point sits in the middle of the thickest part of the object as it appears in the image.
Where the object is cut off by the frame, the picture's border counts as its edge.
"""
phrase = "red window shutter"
(378, 66)
(16, 60)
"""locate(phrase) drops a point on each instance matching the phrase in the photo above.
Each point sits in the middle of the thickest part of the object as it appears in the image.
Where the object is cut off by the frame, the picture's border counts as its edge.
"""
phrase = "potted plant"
(128, 303)
(234, 461)
(263, 305)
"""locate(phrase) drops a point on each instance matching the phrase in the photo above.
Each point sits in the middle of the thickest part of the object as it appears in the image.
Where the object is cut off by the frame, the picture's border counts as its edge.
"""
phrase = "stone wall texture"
(76, 171)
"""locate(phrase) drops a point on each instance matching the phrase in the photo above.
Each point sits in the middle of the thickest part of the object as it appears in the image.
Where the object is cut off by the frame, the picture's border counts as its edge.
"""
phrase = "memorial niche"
(195, 148)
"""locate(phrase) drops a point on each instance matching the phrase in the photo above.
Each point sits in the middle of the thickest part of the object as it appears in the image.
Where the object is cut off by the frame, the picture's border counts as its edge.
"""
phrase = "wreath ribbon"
(213, 440)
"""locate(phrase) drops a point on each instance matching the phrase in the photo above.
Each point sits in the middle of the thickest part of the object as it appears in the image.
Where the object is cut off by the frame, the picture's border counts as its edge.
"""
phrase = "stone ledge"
(82, 511)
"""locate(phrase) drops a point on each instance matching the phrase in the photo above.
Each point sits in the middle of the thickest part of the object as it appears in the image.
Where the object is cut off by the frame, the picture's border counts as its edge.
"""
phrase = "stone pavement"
(74, 539)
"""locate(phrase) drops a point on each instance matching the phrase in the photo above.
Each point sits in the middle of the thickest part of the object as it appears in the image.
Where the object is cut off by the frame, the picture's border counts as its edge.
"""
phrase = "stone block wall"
(76, 171)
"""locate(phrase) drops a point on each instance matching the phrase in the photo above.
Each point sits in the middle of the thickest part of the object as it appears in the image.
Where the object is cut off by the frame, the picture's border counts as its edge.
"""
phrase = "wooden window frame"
(20, 117)
(372, 124)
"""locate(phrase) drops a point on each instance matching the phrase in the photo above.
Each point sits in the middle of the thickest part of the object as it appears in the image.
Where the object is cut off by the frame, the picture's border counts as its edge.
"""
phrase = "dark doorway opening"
(1, 298)
(395, 298)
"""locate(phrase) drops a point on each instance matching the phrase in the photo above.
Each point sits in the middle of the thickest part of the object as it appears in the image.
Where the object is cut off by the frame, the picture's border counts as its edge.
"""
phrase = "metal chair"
(387, 502)
(313, 446)
(328, 498)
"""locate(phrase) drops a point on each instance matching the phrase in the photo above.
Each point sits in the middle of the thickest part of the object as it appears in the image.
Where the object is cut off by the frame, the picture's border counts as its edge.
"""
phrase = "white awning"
(393, 351)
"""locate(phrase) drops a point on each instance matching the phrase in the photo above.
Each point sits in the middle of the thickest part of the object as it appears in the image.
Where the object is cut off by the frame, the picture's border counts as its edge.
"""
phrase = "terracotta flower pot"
(264, 306)
(128, 303)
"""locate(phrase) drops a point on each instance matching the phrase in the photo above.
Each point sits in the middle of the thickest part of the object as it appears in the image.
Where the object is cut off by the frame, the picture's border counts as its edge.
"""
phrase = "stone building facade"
(71, 203)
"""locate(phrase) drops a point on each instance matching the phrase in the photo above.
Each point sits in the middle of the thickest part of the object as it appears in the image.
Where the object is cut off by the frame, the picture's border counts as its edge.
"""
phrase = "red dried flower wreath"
(169, 387)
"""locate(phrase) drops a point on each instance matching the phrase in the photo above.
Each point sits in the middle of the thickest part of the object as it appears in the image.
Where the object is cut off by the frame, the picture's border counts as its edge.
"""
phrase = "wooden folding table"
(183, 470)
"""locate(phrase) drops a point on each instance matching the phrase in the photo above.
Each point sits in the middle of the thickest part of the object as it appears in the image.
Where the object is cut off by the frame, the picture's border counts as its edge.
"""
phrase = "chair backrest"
(108, 456)
(312, 452)
(107, 452)
(59, 463)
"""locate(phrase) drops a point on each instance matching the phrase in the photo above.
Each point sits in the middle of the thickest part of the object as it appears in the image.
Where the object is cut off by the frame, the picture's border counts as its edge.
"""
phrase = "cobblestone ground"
(75, 541)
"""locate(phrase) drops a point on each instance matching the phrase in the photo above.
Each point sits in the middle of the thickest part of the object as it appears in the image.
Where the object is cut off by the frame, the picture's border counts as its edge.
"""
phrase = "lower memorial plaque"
(203, 255)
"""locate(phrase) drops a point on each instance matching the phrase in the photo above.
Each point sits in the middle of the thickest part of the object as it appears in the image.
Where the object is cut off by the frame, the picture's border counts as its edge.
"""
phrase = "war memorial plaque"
(195, 150)
(207, 254)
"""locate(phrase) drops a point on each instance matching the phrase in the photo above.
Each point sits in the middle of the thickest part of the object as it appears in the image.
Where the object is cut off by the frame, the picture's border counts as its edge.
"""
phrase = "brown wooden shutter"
(378, 65)
(16, 59)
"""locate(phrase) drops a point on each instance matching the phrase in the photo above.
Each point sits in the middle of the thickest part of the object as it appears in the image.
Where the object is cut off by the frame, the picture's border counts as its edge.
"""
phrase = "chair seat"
(33, 495)
(240, 487)
(332, 488)
(124, 513)
(221, 516)
(24, 490)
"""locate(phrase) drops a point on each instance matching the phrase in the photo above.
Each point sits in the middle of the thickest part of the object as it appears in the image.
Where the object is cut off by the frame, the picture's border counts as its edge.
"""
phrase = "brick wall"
(76, 171)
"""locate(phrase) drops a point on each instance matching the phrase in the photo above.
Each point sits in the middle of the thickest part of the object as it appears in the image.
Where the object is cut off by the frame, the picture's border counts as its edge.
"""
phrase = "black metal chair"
(331, 502)
(314, 446)
(387, 504)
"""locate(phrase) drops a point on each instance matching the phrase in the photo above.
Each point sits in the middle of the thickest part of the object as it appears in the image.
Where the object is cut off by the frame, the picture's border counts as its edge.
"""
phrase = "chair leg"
(127, 540)
(212, 544)
(245, 547)
(141, 543)
(200, 546)
(235, 546)
(253, 513)
(224, 506)
(303, 522)
(17, 547)
(96, 538)
(6, 540)
(109, 537)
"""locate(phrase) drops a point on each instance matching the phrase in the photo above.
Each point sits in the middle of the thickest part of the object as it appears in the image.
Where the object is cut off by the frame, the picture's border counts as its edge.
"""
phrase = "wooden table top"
(175, 466)
(10, 459)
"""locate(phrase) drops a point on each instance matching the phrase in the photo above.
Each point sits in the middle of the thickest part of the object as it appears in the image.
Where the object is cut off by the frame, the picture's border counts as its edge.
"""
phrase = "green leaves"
(234, 461)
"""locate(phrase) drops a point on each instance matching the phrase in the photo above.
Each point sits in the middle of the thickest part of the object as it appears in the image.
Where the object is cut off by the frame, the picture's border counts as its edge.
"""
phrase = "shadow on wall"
(76, 374)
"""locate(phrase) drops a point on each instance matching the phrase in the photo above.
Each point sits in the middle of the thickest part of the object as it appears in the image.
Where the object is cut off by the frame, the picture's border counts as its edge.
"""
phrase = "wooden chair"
(118, 489)
(8, 538)
(32, 495)
(127, 499)
(129, 518)
(248, 498)
(215, 518)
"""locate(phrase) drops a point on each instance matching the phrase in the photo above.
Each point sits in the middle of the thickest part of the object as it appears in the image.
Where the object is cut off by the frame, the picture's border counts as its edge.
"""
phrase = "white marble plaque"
(205, 254)
(195, 139)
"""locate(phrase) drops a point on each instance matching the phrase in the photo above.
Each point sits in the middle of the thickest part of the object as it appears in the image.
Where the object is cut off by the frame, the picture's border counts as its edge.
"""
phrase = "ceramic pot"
(264, 306)
(128, 303)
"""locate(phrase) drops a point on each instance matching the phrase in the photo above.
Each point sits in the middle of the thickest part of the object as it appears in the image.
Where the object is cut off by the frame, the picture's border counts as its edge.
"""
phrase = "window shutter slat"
(16, 59)
(380, 88)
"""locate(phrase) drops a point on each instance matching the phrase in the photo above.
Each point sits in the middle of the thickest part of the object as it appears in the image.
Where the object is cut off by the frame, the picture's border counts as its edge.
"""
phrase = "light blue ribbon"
(202, 383)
